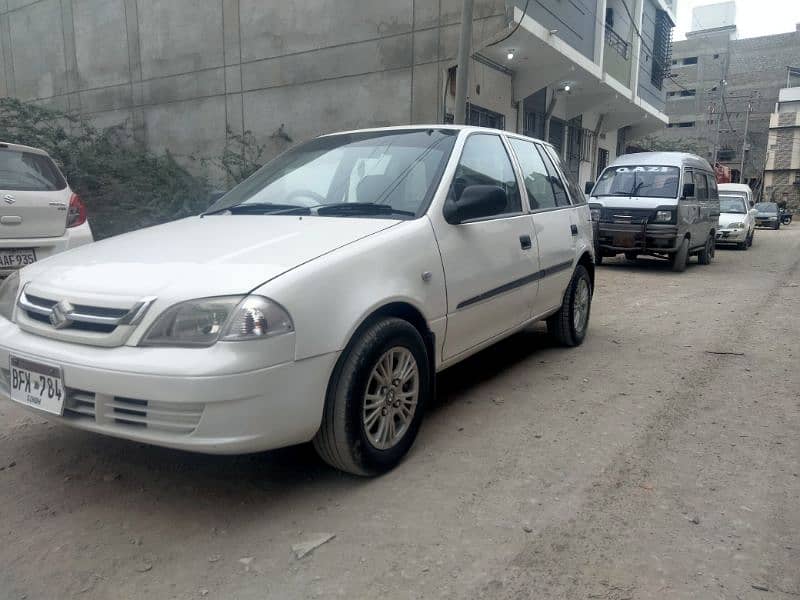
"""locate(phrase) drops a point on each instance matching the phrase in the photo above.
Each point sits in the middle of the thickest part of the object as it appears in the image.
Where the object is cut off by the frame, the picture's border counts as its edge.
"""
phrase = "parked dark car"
(767, 215)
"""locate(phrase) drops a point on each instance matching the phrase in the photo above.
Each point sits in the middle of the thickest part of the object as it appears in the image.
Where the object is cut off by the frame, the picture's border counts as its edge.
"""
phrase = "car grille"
(176, 418)
(625, 215)
(79, 323)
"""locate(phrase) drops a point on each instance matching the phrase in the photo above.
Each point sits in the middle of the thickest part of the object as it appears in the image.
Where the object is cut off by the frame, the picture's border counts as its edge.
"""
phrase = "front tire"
(376, 399)
(569, 325)
(707, 253)
(681, 257)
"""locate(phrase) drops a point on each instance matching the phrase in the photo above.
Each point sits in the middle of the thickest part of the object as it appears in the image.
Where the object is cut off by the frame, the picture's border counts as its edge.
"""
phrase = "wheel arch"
(588, 263)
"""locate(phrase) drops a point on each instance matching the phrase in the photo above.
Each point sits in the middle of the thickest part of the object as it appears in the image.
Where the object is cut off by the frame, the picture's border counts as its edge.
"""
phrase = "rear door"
(33, 196)
(552, 221)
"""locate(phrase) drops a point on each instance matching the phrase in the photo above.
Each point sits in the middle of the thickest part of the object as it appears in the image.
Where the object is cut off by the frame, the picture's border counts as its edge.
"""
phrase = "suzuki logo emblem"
(9, 199)
(60, 315)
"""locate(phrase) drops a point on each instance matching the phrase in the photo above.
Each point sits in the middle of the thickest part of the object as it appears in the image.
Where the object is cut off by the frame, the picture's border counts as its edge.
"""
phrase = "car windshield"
(29, 172)
(767, 207)
(385, 173)
(732, 204)
(639, 180)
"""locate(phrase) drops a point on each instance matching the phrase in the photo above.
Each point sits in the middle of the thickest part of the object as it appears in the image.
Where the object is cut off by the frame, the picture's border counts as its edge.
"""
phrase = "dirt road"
(641, 465)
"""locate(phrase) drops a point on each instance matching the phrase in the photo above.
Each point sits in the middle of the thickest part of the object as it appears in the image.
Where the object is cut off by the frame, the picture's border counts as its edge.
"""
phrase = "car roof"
(448, 127)
(667, 159)
(734, 187)
(21, 148)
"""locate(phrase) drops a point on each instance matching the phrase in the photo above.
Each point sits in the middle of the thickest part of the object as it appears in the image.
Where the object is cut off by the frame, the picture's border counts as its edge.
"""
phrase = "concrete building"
(719, 82)
(182, 75)
(782, 173)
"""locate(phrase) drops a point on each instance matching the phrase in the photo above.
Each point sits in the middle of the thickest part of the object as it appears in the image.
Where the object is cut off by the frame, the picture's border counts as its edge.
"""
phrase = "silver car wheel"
(391, 397)
(580, 312)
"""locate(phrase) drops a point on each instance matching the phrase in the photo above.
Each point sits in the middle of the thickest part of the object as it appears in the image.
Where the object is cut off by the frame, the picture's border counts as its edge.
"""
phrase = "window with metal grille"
(662, 49)
(483, 117)
(602, 161)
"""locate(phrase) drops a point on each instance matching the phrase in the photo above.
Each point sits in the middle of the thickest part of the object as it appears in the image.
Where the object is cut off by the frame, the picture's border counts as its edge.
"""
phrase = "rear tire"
(742, 245)
(681, 257)
(707, 253)
(369, 390)
(569, 325)
(750, 238)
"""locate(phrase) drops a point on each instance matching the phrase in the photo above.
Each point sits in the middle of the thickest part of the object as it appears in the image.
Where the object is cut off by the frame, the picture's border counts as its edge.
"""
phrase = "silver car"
(663, 204)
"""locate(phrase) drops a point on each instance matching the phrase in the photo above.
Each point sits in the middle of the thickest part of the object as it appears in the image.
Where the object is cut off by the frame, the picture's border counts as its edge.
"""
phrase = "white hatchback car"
(737, 223)
(39, 214)
(314, 301)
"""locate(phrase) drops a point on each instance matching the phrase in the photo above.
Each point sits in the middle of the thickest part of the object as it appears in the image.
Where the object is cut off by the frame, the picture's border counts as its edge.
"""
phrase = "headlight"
(595, 214)
(9, 290)
(734, 226)
(663, 216)
(208, 320)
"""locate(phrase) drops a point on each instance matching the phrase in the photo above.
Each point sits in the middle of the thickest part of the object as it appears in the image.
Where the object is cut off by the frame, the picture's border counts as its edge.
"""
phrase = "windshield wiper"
(361, 208)
(264, 208)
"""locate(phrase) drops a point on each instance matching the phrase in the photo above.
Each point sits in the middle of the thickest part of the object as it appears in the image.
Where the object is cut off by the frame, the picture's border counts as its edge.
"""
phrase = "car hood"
(726, 219)
(197, 257)
(764, 215)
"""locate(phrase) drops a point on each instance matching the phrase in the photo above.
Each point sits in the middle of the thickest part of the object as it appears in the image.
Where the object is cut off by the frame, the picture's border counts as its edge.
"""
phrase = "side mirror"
(588, 187)
(752, 203)
(475, 202)
(688, 191)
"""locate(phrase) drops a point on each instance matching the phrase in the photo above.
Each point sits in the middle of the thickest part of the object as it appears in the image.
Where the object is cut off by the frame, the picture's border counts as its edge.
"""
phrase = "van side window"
(700, 186)
(713, 191)
(537, 182)
(558, 186)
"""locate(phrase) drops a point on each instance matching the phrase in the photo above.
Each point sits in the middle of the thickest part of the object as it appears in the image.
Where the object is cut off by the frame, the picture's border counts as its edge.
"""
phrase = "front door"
(490, 264)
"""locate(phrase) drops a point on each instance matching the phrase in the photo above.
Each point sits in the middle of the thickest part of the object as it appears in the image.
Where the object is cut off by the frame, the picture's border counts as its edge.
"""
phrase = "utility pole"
(744, 141)
(722, 84)
(462, 72)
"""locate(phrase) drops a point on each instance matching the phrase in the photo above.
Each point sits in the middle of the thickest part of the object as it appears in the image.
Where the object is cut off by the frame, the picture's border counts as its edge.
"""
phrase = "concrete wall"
(755, 70)
(574, 20)
(180, 73)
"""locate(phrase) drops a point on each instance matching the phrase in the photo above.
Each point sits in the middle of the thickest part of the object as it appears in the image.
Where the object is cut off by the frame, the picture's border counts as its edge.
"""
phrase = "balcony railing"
(617, 62)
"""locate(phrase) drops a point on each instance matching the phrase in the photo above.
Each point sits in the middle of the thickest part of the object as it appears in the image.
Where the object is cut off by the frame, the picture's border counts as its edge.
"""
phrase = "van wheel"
(707, 253)
(375, 400)
(569, 325)
(681, 257)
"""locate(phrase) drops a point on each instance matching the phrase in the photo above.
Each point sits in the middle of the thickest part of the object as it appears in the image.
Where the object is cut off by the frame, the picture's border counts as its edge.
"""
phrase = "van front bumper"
(629, 237)
(219, 413)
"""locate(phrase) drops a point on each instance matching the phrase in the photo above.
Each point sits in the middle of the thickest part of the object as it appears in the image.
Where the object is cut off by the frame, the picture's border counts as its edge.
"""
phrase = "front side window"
(484, 161)
(537, 182)
(733, 204)
(713, 191)
(642, 181)
(392, 173)
(28, 172)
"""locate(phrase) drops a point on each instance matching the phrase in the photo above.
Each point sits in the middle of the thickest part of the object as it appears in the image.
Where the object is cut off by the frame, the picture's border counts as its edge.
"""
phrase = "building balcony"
(617, 57)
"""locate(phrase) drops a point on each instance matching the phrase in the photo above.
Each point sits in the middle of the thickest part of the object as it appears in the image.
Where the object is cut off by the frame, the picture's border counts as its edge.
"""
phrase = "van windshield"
(639, 180)
(733, 204)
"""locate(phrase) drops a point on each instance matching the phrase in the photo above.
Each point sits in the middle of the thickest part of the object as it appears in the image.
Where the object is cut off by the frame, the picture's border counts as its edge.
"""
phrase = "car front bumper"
(220, 413)
(46, 247)
(767, 222)
(627, 237)
(731, 236)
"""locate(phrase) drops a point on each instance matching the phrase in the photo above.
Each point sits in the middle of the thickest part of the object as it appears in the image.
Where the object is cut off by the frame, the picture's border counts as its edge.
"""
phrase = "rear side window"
(537, 181)
(713, 192)
(28, 172)
(700, 186)
(558, 186)
(484, 161)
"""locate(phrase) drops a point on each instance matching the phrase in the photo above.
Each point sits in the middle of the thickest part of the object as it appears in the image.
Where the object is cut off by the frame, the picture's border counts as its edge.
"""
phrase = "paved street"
(658, 460)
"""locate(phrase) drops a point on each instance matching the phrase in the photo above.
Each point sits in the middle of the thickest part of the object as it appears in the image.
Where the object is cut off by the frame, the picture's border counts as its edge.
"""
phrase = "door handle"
(525, 242)
(574, 229)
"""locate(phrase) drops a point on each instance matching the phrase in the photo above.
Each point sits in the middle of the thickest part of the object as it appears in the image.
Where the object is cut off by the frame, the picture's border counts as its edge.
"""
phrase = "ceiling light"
(567, 88)
(510, 55)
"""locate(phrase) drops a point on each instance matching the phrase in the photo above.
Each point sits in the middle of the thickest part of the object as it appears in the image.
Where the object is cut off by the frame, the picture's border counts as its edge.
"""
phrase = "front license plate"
(36, 384)
(16, 258)
(624, 241)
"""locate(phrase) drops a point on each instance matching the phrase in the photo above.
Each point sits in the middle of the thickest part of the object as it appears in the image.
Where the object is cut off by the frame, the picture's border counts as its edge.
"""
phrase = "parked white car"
(315, 301)
(736, 219)
(39, 214)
